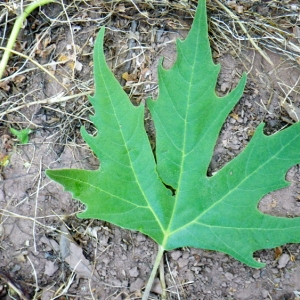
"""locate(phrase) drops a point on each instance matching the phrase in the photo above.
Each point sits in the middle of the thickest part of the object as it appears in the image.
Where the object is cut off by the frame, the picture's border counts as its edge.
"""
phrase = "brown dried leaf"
(63, 58)
(6, 143)
(121, 8)
(44, 53)
(129, 77)
(43, 48)
(278, 252)
(4, 85)
(19, 79)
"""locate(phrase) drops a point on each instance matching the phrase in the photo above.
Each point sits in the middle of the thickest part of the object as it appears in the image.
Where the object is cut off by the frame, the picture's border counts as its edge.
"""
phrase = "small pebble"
(136, 285)
(2, 196)
(283, 260)
(256, 274)
(182, 262)
(229, 276)
(140, 238)
(224, 86)
(264, 294)
(134, 272)
(175, 255)
(156, 287)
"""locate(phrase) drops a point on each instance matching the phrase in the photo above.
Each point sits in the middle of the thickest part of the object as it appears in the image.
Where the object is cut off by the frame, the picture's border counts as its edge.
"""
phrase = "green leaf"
(171, 198)
(22, 135)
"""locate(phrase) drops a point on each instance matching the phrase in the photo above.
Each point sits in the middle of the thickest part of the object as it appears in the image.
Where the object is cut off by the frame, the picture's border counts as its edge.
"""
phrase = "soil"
(46, 252)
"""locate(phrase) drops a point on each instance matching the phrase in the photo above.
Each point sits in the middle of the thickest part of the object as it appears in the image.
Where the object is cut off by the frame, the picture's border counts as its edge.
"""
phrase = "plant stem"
(16, 29)
(162, 280)
(158, 258)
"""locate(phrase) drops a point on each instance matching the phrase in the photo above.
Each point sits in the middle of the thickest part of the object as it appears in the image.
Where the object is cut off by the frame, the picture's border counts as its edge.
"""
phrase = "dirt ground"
(46, 252)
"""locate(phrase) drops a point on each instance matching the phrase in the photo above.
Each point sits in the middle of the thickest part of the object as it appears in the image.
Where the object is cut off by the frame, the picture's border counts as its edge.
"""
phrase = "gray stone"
(136, 285)
(229, 276)
(134, 272)
(283, 260)
(176, 254)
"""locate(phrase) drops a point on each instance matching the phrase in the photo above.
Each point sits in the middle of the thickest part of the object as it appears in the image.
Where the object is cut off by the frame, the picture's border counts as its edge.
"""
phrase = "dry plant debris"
(44, 90)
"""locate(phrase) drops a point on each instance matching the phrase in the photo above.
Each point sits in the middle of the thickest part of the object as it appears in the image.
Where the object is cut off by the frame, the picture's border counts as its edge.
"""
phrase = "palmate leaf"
(171, 198)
